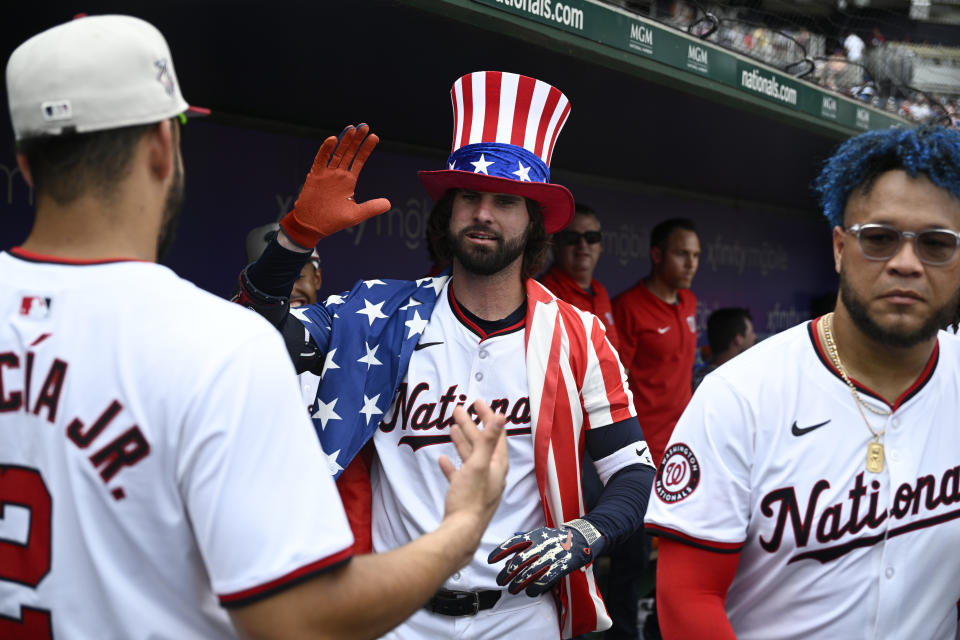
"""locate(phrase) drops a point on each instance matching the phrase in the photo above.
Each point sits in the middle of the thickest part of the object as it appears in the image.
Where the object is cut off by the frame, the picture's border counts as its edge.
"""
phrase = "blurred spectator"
(853, 45)
(877, 38)
(921, 110)
(730, 332)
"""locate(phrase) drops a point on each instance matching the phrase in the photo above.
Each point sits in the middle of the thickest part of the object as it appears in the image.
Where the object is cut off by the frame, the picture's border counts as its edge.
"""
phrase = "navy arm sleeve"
(622, 504)
(265, 287)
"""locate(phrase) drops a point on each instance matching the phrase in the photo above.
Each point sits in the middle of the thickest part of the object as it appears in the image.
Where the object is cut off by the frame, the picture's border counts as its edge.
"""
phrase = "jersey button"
(895, 455)
(889, 572)
(895, 422)
(478, 376)
(483, 354)
(456, 576)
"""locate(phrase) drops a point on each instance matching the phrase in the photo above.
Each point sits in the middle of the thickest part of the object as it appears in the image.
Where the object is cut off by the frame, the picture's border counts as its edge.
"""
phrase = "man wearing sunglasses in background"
(812, 487)
(576, 251)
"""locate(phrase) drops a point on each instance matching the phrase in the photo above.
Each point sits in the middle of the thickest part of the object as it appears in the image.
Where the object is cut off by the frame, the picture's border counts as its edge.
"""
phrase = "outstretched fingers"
(476, 442)
(343, 154)
(322, 159)
(367, 145)
(493, 439)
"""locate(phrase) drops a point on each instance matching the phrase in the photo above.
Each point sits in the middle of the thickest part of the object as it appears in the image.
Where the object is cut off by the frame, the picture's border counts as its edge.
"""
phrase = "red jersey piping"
(40, 257)
(246, 596)
(911, 391)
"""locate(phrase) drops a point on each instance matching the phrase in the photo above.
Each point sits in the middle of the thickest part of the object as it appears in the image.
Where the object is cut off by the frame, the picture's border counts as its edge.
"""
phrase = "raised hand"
(326, 203)
(476, 487)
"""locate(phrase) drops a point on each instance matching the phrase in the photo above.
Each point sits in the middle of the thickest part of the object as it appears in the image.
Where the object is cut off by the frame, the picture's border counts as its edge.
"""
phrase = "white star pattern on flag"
(410, 303)
(371, 358)
(370, 407)
(358, 396)
(300, 314)
(416, 324)
(452, 165)
(372, 311)
(435, 283)
(334, 299)
(332, 462)
(325, 412)
(372, 283)
(480, 166)
(523, 172)
(328, 363)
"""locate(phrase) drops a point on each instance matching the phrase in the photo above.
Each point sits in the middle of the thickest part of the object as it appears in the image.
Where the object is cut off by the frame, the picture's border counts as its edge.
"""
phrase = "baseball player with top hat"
(396, 357)
(812, 487)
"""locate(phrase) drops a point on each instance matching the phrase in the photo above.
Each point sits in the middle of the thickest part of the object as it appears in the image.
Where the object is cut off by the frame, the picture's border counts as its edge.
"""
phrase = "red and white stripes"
(496, 106)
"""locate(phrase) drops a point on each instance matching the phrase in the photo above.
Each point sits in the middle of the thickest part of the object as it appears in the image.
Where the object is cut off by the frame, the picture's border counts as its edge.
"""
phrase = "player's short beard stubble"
(172, 206)
(481, 260)
(857, 309)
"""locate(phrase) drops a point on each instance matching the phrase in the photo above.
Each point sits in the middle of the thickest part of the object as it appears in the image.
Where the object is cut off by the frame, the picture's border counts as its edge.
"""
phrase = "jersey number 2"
(28, 563)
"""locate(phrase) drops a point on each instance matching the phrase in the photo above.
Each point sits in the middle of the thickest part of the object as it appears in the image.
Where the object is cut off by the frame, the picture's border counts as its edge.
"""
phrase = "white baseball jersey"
(452, 365)
(769, 459)
(154, 456)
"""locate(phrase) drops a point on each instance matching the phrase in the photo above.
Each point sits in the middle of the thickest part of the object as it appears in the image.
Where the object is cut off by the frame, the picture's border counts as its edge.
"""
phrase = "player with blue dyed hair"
(810, 488)
(931, 151)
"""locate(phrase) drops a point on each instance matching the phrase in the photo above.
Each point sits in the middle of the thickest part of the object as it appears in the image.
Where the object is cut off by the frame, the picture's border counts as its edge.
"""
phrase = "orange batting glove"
(326, 203)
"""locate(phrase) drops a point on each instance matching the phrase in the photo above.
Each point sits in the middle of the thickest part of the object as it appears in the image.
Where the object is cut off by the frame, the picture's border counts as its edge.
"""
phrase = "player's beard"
(484, 261)
(172, 206)
(857, 309)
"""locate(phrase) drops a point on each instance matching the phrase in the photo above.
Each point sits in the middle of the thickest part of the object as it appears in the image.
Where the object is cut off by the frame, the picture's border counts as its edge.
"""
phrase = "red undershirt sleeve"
(692, 588)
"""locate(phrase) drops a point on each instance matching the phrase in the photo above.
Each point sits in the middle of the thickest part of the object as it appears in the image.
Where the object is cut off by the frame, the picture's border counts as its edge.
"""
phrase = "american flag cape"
(575, 383)
(368, 334)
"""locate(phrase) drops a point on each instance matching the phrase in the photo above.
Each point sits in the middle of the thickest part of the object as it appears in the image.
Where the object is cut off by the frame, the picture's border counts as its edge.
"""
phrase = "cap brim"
(555, 200)
(196, 112)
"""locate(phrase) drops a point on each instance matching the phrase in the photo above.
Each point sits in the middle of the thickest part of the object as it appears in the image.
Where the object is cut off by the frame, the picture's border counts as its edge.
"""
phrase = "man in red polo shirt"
(576, 251)
(657, 323)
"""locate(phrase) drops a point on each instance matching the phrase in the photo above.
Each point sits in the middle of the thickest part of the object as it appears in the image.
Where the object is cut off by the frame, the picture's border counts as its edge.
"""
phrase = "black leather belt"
(462, 603)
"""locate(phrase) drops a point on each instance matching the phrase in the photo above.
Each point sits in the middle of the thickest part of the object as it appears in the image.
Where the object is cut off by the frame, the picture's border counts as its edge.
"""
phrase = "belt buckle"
(475, 601)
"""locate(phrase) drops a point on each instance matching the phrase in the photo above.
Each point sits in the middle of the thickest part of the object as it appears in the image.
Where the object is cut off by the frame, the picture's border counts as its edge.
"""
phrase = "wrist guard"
(273, 308)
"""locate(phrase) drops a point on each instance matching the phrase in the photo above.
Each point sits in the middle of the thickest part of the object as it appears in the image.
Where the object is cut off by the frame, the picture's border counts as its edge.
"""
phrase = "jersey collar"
(913, 390)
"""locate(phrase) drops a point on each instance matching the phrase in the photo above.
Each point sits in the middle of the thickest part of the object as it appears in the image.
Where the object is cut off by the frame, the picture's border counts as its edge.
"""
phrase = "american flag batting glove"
(545, 555)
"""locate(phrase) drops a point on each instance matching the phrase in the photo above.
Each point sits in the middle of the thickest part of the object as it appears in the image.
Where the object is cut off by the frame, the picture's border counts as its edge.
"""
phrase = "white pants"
(518, 616)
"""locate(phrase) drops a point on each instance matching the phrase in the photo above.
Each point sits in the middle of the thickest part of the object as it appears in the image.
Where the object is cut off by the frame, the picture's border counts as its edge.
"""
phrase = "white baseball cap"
(91, 74)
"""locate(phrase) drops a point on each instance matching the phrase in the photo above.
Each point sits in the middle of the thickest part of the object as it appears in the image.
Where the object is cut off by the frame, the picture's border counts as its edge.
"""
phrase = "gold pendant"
(874, 457)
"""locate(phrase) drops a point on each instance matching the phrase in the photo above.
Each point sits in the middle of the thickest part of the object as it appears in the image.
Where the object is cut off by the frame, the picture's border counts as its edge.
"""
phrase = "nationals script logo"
(410, 411)
(679, 474)
(863, 511)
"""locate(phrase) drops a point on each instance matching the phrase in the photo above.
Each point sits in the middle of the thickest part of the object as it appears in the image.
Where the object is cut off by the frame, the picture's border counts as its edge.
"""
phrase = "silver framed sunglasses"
(882, 242)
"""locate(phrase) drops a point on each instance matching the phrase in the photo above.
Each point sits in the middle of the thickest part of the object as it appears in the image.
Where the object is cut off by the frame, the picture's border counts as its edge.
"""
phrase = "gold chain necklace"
(875, 455)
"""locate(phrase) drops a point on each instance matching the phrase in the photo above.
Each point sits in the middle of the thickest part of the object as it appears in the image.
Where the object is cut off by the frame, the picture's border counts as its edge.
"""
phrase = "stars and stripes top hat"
(505, 128)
